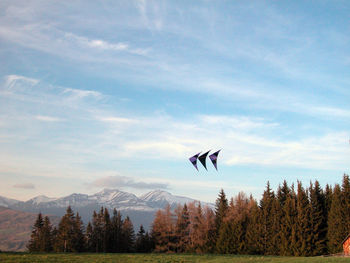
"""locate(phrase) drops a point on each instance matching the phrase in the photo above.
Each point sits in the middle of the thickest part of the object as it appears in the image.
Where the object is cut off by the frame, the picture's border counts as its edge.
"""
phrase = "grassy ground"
(160, 258)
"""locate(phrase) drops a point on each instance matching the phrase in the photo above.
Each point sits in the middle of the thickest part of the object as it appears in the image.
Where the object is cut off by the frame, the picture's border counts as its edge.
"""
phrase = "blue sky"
(120, 94)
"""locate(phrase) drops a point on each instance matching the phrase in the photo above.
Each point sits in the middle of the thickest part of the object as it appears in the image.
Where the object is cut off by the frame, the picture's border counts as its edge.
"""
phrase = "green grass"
(159, 258)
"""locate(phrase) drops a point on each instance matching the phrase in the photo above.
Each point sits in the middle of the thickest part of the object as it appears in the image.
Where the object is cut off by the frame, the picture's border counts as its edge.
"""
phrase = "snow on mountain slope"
(41, 199)
(159, 199)
(121, 200)
(109, 198)
(6, 202)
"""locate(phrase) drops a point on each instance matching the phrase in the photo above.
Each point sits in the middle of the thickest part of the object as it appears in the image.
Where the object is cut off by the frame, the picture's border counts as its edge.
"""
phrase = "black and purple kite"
(202, 159)
(213, 157)
(193, 160)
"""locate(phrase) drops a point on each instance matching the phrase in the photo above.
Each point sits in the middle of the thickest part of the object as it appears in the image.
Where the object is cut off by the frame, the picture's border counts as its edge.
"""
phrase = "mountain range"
(141, 210)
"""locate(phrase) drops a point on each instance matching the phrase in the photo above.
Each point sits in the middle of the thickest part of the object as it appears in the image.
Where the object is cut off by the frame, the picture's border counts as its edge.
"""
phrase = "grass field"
(160, 258)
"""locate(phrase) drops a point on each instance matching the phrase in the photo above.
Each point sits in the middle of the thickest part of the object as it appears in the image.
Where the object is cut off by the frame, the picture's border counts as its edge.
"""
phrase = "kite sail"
(193, 160)
(213, 157)
(202, 159)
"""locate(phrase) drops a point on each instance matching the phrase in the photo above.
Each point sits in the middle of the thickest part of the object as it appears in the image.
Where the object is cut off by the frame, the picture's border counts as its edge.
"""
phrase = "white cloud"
(116, 120)
(97, 43)
(10, 80)
(47, 118)
(244, 139)
(78, 93)
(24, 186)
(124, 181)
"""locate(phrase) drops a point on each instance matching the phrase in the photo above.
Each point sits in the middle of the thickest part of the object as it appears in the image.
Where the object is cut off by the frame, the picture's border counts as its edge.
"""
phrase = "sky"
(119, 94)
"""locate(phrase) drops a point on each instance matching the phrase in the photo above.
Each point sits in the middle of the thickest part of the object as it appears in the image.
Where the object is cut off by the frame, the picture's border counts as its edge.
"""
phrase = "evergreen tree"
(221, 206)
(116, 231)
(65, 232)
(318, 220)
(336, 222)
(35, 243)
(303, 227)
(209, 230)
(78, 237)
(254, 229)
(128, 236)
(328, 194)
(346, 202)
(149, 243)
(288, 227)
(47, 236)
(182, 229)
(107, 236)
(97, 231)
(232, 235)
(226, 239)
(269, 222)
(70, 237)
(142, 244)
(89, 238)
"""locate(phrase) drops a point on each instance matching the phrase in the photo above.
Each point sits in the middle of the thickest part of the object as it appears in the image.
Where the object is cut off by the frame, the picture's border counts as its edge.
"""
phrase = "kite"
(193, 160)
(202, 159)
(213, 157)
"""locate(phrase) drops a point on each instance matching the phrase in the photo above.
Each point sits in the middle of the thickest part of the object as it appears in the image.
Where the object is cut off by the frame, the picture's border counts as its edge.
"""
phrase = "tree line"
(291, 221)
(103, 234)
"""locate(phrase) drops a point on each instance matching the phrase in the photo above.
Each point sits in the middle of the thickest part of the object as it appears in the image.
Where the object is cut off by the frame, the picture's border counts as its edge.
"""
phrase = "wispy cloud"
(116, 120)
(104, 45)
(78, 93)
(245, 139)
(11, 79)
(47, 118)
(124, 181)
(24, 186)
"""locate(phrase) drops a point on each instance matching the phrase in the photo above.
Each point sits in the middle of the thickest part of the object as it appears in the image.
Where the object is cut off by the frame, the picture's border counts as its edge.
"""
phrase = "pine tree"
(254, 229)
(97, 231)
(107, 227)
(288, 227)
(221, 206)
(182, 229)
(232, 235)
(89, 238)
(116, 231)
(128, 236)
(303, 227)
(336, 222)
(35, 242)
(209, 230)
(47, 236)
(318, 220)
(70, 235)
(346, 202)
(226, 239)
(78, 237)
(328, 193)
(269, 222)
(141, 244)
(149, 243)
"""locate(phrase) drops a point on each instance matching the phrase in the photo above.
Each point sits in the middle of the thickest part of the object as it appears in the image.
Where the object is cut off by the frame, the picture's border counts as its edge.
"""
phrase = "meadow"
(159, 258)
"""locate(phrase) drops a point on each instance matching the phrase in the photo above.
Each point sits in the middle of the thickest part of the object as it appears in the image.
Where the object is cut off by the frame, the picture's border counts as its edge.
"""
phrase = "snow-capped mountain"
(41, 199)
(141, 209)
(6, 202)
(159, 199)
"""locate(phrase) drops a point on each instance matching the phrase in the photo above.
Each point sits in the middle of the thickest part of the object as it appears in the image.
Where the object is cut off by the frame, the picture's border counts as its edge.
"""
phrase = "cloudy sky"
(119, 94)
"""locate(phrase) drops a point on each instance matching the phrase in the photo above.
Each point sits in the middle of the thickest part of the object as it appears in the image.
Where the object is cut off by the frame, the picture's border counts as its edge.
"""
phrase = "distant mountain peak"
(41, 199)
